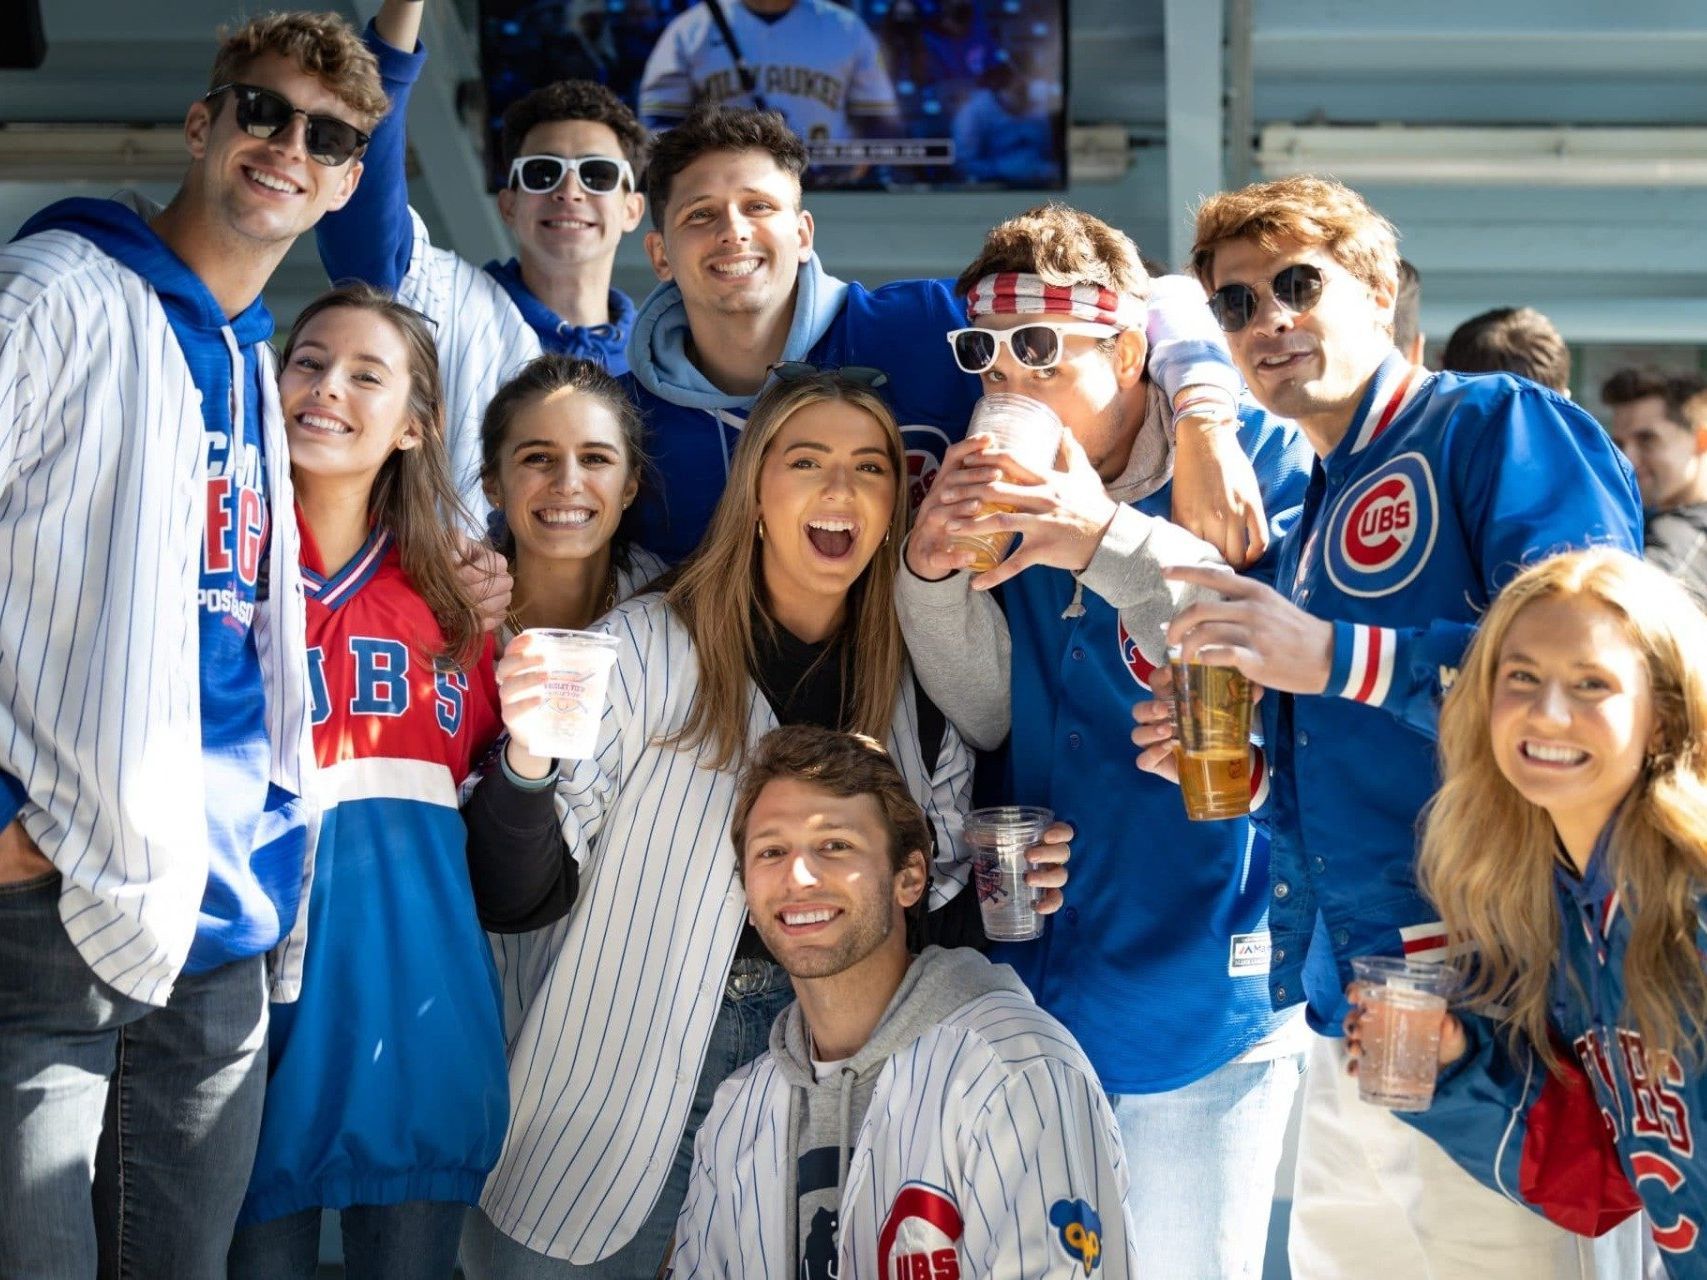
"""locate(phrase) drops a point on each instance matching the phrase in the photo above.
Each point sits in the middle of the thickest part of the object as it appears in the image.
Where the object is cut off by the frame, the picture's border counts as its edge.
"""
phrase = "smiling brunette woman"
(650, 991)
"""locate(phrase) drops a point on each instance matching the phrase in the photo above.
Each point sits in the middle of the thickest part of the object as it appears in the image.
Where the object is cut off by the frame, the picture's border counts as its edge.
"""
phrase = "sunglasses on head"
(861, 375)
(1036, 346)
(261, 113)
(598, 175)
(1297, 288)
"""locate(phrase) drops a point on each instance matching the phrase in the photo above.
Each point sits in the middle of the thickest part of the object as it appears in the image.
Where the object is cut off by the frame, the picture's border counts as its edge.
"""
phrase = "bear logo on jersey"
(920, 1239)
(1382, 531)
(1079, 1230)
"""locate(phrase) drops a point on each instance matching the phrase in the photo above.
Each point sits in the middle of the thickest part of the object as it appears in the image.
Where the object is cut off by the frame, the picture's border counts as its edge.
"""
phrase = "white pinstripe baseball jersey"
(102, 513)
(988, 1151)
(623, 993)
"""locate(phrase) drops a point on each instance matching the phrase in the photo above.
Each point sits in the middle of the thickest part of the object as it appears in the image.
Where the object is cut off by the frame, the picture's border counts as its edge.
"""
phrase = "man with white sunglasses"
(1156, 965)
(570, 150)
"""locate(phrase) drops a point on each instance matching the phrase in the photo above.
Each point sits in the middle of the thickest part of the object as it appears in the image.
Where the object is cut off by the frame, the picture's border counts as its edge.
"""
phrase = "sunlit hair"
(412, 495)
(709, 129)
(1063, 246)
(843, 764)
(323, 45)
(1488, 854)
(1299, 211)
(571, 100)
(546, 375)
(1516, 340)
(718, 592)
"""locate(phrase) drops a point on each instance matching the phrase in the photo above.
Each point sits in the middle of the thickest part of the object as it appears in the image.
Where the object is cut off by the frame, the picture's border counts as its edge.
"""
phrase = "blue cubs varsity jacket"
(1157, 962)
(1444, 487)
(1583, 1157)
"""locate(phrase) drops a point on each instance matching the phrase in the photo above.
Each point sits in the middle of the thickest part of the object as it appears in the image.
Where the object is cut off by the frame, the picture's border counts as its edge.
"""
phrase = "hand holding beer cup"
(551, 694)
(1155, 726)
(1399, 1034)
(1024, 430)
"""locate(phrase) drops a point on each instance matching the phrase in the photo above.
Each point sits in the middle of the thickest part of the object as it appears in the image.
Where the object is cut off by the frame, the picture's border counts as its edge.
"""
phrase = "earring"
(886, 537)
(761, 528)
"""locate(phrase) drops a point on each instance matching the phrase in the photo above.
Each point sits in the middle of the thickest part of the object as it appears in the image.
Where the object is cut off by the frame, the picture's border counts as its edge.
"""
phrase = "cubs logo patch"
(920, 1239)
(925, 447)
(1140, 666)
(1078, 1230)
(1382, 531)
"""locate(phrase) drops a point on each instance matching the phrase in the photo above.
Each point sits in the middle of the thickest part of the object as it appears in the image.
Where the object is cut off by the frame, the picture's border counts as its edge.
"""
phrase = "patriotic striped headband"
(1021, 293)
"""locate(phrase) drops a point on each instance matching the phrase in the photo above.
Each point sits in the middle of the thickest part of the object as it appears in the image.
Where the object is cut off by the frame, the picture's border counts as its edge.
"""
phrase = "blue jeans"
(1202, 1161)
(186, 1084)
(415, 1240)
(742, 1033)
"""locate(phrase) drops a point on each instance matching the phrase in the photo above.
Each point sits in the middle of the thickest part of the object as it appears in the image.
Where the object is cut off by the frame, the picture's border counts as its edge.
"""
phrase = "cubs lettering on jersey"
(1381, 532)
(920, 1236)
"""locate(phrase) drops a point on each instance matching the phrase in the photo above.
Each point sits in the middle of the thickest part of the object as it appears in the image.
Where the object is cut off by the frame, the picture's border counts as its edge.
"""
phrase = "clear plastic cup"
(1404, 1007)
(565, 724)
(996, 841)
(1212, 731)
(1028, 431)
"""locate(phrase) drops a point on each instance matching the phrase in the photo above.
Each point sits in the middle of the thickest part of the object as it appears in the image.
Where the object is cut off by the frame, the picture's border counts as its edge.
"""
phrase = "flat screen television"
(888, 94)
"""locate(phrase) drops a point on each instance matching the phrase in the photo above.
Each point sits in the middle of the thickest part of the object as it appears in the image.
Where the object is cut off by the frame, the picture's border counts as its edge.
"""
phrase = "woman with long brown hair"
(1567, 852)
(651, 991)
(385, 1091)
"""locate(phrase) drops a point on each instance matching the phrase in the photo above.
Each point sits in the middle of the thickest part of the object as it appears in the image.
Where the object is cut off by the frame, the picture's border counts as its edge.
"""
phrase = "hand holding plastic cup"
(1403, 1008)
(565, 722)
(1029, 432)
(996, 840)
(1212, 731)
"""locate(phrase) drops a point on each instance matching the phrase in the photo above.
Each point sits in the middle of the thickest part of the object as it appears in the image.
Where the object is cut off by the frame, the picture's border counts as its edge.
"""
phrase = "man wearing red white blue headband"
(1430, 492)
(1155, 964)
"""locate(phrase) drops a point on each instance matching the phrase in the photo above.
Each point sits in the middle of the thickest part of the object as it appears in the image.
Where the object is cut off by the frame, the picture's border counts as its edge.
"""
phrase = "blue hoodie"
(257, 836)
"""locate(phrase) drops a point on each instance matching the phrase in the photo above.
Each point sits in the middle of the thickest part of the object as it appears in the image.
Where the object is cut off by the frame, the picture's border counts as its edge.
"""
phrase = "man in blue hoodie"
(571, 151)
(742, 289)
(155, 715)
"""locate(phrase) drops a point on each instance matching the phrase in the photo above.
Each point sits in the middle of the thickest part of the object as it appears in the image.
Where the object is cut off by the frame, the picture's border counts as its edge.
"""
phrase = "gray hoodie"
(824, 1119)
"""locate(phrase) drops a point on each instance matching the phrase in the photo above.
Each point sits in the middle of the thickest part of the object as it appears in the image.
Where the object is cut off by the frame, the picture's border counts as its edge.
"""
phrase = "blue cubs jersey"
(1584, 1161)
(1442, 489)
(1157, 962)
(387, 1080)
(899, 328)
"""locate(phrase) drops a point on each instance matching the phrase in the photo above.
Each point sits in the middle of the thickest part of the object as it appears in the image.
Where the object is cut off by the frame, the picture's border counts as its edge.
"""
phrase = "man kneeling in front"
(917, 1117)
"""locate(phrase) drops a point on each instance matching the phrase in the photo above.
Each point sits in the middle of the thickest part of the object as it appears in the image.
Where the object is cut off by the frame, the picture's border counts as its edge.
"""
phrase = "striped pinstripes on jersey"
(626, 989)
(102, 510)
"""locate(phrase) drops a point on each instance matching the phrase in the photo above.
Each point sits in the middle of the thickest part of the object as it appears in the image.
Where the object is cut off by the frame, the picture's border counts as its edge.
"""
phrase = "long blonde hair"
(1488, 854)
(717, 592)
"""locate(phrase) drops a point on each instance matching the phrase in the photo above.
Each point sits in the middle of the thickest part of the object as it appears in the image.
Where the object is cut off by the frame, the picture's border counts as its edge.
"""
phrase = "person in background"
(1516, 340)
(1046, 652)
(385, 1097)
(916, 1114)
(1423, 503)
(1408, 336)
(571, 153)
(1659, 420)
(648, 991)
(1568, 849)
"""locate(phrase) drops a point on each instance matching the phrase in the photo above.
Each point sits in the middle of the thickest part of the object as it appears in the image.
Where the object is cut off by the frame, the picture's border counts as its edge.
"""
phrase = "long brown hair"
(1487, 853)
(412, 496)
(716, 592)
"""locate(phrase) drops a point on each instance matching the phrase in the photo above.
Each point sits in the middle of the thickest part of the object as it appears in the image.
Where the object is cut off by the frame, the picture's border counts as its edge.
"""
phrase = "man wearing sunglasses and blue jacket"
(570, 153)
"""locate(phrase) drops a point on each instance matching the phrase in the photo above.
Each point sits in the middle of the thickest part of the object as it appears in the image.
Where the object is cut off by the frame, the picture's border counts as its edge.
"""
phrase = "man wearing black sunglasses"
(156, 709)
(1429, 492)
(570, 155)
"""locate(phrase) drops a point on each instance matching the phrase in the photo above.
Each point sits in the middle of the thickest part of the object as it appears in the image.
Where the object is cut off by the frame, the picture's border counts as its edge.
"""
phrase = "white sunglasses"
(598, 175)
(1036, 346)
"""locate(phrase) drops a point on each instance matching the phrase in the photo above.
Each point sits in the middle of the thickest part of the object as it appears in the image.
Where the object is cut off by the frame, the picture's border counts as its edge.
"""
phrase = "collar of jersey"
(334, 590)
(1394, 386)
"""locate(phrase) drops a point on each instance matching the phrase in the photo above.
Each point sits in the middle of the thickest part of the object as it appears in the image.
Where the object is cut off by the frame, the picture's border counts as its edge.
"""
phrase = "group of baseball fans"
(289, 922)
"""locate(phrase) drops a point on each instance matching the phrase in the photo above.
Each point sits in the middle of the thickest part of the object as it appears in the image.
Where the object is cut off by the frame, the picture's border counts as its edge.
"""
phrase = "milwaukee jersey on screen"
(898, 328)
(391, 1087)
(1442, 489)
(1581, 1161)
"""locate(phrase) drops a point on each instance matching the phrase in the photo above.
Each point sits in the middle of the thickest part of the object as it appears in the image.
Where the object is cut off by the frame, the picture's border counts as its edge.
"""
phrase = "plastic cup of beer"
(996, 841)
(1026, 430)
(1404, 1006)
(565, 723)
(1212, 738)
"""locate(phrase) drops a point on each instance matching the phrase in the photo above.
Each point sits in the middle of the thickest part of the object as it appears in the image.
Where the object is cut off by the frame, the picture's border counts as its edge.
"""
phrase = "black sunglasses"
(261, 113)
(861, 375)
(1297, 288)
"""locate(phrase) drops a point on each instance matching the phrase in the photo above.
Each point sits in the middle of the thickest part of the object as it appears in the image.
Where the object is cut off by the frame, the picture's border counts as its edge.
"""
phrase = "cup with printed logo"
(565, 722)
(1212, 738)
(1404, 1007)
(1029, 432)
(996, 841)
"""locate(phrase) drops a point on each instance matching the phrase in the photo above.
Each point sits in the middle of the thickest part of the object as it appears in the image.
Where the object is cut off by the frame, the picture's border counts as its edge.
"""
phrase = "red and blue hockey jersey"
(387, 1079)
(1443, 488)
(1538, 1140)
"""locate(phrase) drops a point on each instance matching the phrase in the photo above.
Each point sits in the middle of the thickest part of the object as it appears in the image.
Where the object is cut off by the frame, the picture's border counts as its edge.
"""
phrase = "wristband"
(528, 784)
